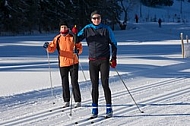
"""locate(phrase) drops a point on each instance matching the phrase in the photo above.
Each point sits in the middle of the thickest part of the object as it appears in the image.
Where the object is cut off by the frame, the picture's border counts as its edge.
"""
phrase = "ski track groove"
(30, 110)
(36, 117)
(160, 98)
(116, 112)
(31, 117)
(133, 108)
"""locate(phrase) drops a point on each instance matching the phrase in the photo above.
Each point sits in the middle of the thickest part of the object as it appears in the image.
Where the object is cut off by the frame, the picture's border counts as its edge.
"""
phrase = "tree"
(126, 6)
(26, 16)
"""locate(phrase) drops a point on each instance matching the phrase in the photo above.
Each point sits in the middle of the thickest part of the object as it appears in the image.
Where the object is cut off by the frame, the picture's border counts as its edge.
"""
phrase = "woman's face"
(96, 19)
(63, 28)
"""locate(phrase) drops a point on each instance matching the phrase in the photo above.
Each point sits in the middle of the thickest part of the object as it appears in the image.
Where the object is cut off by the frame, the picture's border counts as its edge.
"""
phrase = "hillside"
(176, 13)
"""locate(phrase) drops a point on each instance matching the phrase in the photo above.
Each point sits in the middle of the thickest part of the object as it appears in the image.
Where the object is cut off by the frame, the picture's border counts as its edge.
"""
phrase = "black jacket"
(99, 38)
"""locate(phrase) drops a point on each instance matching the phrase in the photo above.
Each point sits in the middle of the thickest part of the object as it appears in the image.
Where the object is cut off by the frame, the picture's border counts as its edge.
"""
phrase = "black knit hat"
(95, 12)
(63, 23)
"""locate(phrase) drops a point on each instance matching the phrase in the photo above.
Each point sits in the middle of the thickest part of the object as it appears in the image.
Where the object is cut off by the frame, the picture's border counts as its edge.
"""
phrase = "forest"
(29, 16)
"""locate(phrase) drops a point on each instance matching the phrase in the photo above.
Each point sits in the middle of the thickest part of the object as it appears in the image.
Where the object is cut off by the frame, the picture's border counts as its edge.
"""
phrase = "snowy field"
(149, 62)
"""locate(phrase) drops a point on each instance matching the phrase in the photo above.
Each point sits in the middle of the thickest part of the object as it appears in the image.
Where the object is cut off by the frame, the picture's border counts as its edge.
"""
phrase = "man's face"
(96, 19)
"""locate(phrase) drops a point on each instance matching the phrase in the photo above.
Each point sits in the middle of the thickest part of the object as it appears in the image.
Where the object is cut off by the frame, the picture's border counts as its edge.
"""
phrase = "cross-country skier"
(99, 37)
(68, 62)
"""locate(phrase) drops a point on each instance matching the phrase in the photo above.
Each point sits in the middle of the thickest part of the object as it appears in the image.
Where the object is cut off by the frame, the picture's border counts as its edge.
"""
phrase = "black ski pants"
(73, 70)
(102, 67)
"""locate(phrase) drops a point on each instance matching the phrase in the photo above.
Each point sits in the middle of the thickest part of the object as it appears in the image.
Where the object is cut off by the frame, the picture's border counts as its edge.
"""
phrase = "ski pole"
(71, 89)
(82, 71)
(71, 103)
(50, 75)
(74, 30)
(128, 90)
(84, 75)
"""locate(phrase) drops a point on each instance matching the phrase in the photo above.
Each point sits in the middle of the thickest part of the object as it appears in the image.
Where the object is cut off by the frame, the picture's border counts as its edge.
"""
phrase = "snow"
(150, 63)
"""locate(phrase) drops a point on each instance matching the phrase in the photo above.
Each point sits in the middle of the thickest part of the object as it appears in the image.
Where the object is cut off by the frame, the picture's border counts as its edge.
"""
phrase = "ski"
(99, 119)
(92, 117)
(62, 109)
(85, 120)
(92, 120)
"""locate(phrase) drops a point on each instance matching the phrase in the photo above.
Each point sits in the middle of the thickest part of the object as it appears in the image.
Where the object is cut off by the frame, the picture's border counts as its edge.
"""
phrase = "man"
(68, 62)
(99, 37)
(159, 22)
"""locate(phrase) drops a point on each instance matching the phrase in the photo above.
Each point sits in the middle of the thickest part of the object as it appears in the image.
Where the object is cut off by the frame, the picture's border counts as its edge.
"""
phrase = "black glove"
(76, 51)
(46, 45)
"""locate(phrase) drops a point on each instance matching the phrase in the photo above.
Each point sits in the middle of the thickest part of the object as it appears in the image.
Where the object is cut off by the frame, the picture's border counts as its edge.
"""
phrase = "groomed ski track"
(152, 96)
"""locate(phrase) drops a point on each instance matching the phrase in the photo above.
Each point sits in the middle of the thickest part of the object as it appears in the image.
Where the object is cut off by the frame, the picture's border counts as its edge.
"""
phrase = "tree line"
(17, 16)
(21, 16)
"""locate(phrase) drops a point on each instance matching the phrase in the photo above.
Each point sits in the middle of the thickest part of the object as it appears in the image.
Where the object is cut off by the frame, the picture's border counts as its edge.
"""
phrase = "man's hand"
(113, 62)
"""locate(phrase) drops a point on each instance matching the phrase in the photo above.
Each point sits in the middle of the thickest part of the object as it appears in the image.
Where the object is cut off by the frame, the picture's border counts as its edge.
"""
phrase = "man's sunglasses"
(94, 18)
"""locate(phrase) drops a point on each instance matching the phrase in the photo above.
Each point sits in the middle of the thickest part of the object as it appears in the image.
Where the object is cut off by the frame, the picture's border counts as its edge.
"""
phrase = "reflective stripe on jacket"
(65, 46)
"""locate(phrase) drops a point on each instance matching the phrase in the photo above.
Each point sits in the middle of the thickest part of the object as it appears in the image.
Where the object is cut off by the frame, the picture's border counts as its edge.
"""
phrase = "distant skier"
(136, 18)
(159, 22)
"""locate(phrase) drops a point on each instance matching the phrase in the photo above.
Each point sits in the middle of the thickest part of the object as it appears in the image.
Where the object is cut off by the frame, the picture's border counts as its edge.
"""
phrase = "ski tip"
(93, 117)
(106, 117)
(92, 122)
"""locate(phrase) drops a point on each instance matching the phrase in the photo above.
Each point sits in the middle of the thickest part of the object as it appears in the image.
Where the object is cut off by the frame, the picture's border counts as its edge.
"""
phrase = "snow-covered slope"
(149, 62)
(178, 12)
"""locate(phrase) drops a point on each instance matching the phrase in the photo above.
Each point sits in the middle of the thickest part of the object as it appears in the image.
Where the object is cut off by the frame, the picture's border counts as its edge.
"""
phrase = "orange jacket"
(66, 46)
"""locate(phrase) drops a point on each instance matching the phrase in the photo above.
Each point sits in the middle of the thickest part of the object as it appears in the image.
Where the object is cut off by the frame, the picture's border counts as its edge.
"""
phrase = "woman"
(68, 62)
